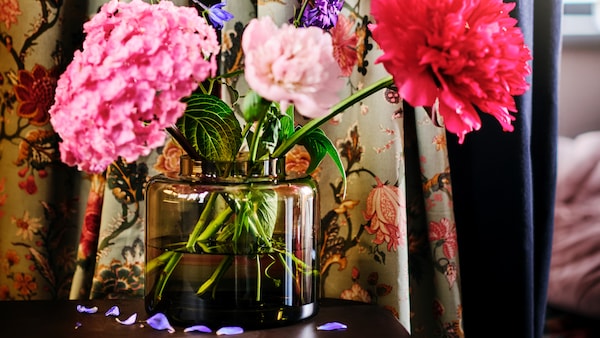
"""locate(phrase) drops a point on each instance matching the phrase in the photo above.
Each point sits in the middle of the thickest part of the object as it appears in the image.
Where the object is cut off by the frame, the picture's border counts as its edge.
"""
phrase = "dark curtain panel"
(504, 186)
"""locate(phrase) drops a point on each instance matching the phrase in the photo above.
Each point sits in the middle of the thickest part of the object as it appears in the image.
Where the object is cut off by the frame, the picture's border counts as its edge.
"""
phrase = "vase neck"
(240, 168)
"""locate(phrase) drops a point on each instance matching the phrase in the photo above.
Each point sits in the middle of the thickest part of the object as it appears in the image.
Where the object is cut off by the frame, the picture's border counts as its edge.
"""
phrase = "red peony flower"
(455, 56)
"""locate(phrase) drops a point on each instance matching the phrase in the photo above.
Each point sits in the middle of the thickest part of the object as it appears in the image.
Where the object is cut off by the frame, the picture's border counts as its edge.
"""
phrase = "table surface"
(61, 319)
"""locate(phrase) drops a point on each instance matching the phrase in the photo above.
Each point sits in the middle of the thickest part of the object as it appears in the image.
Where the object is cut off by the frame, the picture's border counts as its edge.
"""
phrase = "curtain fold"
(504, 185)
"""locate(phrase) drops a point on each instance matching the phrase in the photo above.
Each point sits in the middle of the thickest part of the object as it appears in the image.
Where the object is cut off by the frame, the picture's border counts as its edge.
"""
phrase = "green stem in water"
(174, 259)
(159, 261)
(214, 225)
(200, 224)
(216, 275)
(335, 110)
(258, 279)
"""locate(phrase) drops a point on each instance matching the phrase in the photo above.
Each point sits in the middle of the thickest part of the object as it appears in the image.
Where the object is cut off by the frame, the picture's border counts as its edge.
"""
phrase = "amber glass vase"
(232, 243)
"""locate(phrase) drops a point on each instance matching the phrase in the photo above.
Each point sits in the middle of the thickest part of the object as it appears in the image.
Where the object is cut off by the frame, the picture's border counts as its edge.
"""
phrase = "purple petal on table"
(84, 309)
(77, 325)
(113, 311)
(229, 331)
(198, 328)
(128, 321)
(332, 326)
(160, 322)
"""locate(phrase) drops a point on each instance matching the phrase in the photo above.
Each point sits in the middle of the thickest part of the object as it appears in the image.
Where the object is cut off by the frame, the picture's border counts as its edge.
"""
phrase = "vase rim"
(240, 168)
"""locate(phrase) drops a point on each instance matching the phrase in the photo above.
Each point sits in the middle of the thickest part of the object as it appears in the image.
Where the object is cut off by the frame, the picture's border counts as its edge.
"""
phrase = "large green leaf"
(318, 146)
(211, 127)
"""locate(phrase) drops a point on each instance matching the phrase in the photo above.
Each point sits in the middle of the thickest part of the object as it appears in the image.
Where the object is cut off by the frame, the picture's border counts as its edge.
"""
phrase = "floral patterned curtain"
(40, 205)
(390, 241)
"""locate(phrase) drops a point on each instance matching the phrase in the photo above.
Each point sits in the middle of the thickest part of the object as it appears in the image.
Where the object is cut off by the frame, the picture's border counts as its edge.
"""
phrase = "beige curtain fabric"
(389, 241)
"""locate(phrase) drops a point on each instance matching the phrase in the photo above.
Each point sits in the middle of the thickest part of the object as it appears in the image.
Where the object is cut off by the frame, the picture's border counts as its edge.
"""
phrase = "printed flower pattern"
(442, 235)
(27, 226)
(297, 161)
(344, 44)
(9, 11)
(35, 94)
(168, 160)
(25, 284)
(119, 280)
(387, 222)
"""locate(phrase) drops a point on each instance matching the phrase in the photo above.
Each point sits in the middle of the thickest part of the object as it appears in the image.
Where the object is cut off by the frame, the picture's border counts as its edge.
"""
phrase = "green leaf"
(270, 134)
(287, 127)
(211, 127)
(265, 203)
(318, 146)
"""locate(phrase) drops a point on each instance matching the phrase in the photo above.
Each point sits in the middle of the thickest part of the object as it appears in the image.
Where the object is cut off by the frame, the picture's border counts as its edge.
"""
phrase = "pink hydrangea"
(460, 54)
(120, 92)
(292, 66)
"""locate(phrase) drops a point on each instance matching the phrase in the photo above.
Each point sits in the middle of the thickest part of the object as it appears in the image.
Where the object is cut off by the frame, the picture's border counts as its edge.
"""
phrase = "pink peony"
(292, 66)
(118, 94)
(459, 54)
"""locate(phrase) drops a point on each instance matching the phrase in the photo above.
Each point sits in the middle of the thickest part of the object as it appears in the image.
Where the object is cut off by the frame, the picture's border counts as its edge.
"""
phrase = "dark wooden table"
(54, 319)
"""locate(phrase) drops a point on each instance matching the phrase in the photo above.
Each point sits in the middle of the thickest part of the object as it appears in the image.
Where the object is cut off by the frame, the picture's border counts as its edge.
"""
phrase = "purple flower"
(322, 14)
(216, 14)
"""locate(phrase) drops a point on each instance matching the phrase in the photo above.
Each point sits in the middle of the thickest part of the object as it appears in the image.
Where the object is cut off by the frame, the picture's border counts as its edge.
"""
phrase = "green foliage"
(254, 107)
(318, 146)
(211, 127)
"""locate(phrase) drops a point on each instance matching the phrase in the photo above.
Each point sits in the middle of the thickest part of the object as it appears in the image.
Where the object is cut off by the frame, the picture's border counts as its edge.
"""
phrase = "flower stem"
(335, 110)
(166, 273)
(200, 224)
(216, 275)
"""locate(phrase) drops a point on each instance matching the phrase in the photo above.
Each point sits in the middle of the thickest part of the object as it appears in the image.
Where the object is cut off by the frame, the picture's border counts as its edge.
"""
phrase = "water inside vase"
(221, 288)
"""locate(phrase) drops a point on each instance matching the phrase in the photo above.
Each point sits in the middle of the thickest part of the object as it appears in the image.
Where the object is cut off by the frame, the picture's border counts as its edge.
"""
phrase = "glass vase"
(232, 244)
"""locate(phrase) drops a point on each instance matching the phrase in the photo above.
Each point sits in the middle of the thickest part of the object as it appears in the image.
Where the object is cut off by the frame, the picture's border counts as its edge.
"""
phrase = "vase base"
(249, 319)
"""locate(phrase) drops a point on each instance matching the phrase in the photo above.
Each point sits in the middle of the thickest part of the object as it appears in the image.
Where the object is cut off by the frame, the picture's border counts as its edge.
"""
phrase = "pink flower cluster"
(292, 66)
(118, 94)
(458, 54)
